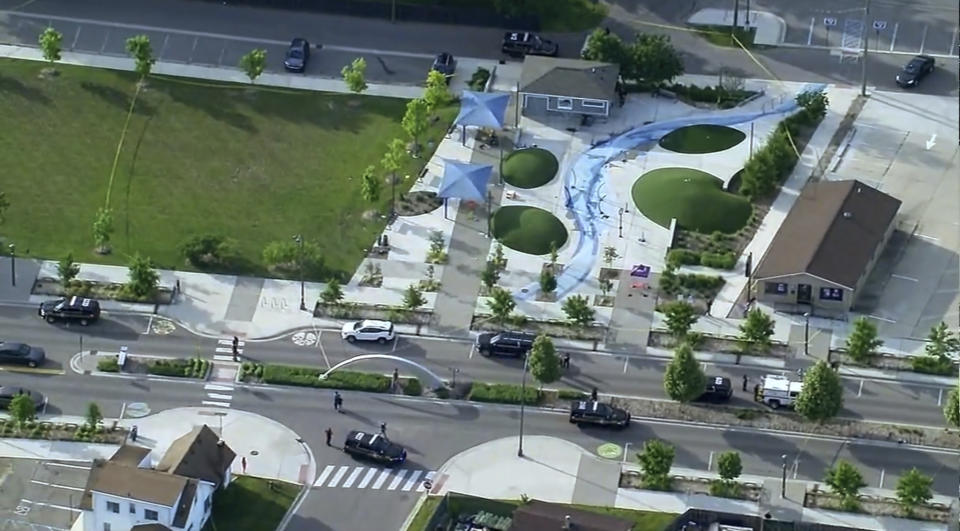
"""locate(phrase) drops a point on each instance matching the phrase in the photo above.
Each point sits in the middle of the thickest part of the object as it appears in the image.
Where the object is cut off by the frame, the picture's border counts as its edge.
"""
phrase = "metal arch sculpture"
(438, 382)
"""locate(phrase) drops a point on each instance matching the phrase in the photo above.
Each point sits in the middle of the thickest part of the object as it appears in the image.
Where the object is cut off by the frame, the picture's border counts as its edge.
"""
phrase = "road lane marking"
(413, 480)
(323, 351)
(813, 21)
(860, 389)
(428, 478)
(625, 362)
(878, 318)
(396, 340)
(709, 460)
(35, 370)
(903, 277)
(383, 477)
(366, 479)
(214, 403)
(323, 476)
(149, 325)
(397, 479)
(925, 237)
(940, 398)
(219, 396)
(338, 476)
(53, 506)
(880, 486)
(216, 387)
(923, 41)
(352, 477)
(953, 42)
(893, 40)
(57, 486)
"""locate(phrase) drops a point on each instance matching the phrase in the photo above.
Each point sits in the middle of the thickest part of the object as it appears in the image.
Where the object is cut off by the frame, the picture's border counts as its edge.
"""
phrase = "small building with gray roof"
(571, 86)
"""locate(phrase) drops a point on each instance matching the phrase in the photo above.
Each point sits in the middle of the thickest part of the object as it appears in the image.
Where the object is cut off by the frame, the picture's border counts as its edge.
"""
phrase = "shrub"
(110, 364)
(932, 365)
(502, 393)
(310, 377)
(284, 256)
(412, 387)
(209, 251)
(571, 394)
(442, 392)
(725, 489)
(479, 79)
(679, 257)
(718, 260)
(176, 368)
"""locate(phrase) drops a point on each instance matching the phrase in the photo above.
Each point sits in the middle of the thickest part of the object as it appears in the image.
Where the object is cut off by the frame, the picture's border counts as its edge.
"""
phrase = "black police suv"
(509, 344)
(374, 446)
(915, 70)
(79, 309)
(719, 389)
(520, 43)
(593, 412)
(295, 60)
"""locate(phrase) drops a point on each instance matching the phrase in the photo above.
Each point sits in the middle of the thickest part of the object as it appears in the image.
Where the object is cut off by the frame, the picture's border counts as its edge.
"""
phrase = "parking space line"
(882, 471)
(56, 486)
(893, 40)
(923, 40)
(396, 339)
(924, 236)
(813, 21)
(166, 38)
(52, 506)
(902, 277)
(626, 361)
(76, 37)
(860, 389)
(953, 42)
(884, 319)
(940, 398)
(149, 325)
(66, 465)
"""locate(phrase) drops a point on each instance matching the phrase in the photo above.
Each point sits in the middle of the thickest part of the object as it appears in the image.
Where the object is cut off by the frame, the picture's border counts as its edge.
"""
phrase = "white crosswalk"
(224, 350)
(372, 478)
(219, 392)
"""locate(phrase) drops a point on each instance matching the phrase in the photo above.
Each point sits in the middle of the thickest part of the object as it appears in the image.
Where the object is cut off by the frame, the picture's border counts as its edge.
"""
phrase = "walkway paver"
(632, 315)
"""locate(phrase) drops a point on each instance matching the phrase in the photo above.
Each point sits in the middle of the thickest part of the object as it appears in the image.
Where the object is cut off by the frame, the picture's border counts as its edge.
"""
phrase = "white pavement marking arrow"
(932, 142)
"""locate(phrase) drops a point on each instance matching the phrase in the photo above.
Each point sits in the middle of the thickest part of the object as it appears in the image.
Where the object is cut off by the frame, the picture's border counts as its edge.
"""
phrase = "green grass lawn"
(528, 229)
(702, 138)
(250, 504)
(555, 15)
(721, 35)
(255, 165)
(694, 197)
(530, 168)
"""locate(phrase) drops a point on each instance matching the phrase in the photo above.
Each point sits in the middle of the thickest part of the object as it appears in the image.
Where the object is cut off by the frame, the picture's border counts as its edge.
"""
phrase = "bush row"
(179, 368)
(673, 283)
(725, 98)
(310, 377)
(932, 365)
(502, 393)
(109, 364)
(679, 257)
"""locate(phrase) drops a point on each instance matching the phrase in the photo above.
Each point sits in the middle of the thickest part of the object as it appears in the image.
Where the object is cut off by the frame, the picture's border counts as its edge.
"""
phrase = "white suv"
(368, 330)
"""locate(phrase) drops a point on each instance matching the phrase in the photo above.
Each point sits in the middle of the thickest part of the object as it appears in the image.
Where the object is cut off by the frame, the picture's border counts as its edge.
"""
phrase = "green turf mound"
(694, 197)
(528, 229)
(530, 168)
(703, 138)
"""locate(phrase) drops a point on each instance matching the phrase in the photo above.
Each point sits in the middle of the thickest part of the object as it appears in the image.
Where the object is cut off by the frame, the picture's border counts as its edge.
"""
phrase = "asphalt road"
(634, 376)
(433, 431)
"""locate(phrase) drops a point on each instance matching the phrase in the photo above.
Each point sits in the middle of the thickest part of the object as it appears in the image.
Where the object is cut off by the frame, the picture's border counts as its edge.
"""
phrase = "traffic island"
(61, 431)
(303, 376)
(133, 364)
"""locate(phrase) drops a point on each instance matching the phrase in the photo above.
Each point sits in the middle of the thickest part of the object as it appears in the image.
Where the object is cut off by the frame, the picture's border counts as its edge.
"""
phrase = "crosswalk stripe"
(383, 477)
(228, 350)
(219, 396)
(230, 342)
(413, 480)
(222, 357)
(338, 476)
(323, 475)
(352, 477)
(397, 479)
(214, 403)
(217, 387)
(366, 479)
(428, 477)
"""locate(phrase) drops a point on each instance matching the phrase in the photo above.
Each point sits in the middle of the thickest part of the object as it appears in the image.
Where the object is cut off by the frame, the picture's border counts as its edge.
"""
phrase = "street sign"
(122, 358)
(829, 21)
(879, 24)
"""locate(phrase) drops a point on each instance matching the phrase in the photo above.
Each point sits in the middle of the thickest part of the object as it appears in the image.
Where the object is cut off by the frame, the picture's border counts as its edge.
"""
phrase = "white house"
(124, 494)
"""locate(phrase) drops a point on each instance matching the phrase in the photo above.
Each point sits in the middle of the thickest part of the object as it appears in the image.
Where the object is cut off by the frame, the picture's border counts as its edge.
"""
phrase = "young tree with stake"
(51, 42)
(253, 63)
(414, 121)
(139, 48)
(392, 160)
(863, 342)
(684, 379)
(543, 362)
(354, 75)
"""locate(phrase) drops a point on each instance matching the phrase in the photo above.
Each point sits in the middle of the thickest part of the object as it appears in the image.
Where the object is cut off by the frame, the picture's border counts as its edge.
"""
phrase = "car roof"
(376, 323)
(372, 440)
(82, 302)
(517, 335)
(299, 41)
(11, 344)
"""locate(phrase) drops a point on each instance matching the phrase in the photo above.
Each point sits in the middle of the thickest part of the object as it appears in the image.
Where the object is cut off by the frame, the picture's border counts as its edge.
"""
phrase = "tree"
(845, 481)
(605, 286)
(22, 409)
(498, 259)
(822, 395)
(413, 297)
(332, 293)
(553, 256)
(814, 102)
(656, 458)
(67, 269)
(914, 488)
(392, 161)
(548, 282)
(143, 277)
(51, 42)
(370, 185)
(490, 275)
(655, 59)
(863, 342)
(437, 92)
(415, 121)
(609, 255)
(680, 317)
(543, 362)
(353, 75)
(94, 416)
(139, 48)
(501, 304)
(684, 379)
(756, 331)
(951, 411)
(102, 230)
(578, 310)
(729, 465)
(253, 63)
(608, 47)
(942, 342)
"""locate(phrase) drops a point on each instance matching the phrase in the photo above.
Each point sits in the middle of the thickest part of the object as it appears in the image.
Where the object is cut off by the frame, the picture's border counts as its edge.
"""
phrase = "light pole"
(299, 239)
(13, 265)
(806, 333)
(783, 477)
(866, 39)
(523, 396)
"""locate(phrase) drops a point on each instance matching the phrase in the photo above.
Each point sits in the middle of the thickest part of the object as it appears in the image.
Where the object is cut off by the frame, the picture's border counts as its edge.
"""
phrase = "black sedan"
(445, 64)
(21, 353)
(915, 70)
(8, 393)
(297, 55)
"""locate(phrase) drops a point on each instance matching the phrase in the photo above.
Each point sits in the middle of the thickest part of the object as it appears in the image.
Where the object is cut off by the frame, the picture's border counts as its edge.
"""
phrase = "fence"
(401, 12)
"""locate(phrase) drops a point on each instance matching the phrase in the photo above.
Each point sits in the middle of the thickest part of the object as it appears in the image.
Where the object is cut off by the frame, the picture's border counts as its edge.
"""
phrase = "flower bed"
(740, 490)
(61, 432)
(357, 311)
(878, 506)
(561, 329)
(179, 368)
(310, 377)
(98, 290)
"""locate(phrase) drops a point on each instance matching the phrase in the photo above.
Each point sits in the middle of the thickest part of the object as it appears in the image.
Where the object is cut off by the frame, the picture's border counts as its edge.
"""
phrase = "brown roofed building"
(826, 247)
(200, 454)
(573, 86)
(543, 516)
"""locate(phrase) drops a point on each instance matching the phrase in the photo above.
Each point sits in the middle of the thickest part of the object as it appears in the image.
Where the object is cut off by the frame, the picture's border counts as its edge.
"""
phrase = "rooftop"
(576, 78)
(200, 454)
(141, 484)
(543, 516)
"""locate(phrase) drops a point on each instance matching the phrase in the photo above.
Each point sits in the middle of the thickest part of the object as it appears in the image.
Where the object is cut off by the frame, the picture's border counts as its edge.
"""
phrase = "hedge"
(502, 393)
(679, 257)
(310, 377)
(179, 368)
(412, 387)
(718, 260)
(932, 365)
(108, 364)
(571, 394)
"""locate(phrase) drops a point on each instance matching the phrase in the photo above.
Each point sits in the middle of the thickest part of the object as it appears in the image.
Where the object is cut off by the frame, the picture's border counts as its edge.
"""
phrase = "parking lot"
(40, 495)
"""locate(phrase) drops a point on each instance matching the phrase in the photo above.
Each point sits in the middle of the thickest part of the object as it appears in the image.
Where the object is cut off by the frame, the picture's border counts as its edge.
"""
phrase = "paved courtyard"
(40, 495)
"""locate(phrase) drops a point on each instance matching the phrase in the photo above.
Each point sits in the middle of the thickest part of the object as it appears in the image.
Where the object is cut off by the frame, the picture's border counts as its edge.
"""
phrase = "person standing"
(383, 429)
(329, 433)
(133, 433)
(243, 464)
(337, 402)
(236, 348)
(745, 382)
(593, 394)
(396, 380)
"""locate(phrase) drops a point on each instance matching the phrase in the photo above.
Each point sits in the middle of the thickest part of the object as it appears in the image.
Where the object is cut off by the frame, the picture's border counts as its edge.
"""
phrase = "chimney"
(847, 215)
(567, 524)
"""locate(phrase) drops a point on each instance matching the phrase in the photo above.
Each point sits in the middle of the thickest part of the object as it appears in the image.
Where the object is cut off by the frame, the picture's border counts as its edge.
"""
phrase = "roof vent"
(220, 443)
(847, 215)
(859, 189)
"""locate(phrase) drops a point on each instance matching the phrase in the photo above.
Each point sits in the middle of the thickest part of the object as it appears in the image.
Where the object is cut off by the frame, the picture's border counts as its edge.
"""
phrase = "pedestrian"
(396, 379)
(593, 394)
(756, 392)
(243, 464)
(744, 382)
(566, 360)
(329, 434)
(337, 402)
(236, 348)
(383, 429)
(133, 433)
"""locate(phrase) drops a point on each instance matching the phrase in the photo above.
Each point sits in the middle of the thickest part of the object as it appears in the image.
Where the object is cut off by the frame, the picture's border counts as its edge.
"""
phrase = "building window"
(150, 515)
(565, 104)
(594, 103)
(775, 288)
(133, 509)
(831, 294)
(113, 507)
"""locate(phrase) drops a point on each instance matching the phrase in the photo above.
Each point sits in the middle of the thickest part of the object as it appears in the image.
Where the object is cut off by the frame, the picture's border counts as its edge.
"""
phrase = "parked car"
(22, 354)
(445, 64)
(368, 330)
(719, 389)
(511, 344)
(297, 55)
(520, 43)
(8, 393)
(80, 309)
(374, 446)
(915, 70)
(598, 413)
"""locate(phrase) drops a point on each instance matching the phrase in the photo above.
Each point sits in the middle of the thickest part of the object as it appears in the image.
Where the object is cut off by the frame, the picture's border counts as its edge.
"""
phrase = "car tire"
(382, 340)
(51, 319)
(84, 322)
(351, 339)
(32, 364)
(774, 404)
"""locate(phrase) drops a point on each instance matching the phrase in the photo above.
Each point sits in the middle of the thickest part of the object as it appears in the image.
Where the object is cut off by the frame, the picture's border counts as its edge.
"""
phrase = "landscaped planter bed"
(98, 290)
(61, 432)
(357, 312)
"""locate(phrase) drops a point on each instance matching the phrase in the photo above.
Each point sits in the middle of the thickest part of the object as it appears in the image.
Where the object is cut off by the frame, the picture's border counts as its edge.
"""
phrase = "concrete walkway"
(633, 310)
(770, 29)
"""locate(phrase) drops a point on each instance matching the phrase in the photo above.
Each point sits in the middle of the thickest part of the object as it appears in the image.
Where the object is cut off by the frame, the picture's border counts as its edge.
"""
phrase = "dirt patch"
(418, 203)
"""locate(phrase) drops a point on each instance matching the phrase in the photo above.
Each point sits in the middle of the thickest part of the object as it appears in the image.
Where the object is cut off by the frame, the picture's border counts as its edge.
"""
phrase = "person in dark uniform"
(329, 433)
(745, 382)
(593, 394)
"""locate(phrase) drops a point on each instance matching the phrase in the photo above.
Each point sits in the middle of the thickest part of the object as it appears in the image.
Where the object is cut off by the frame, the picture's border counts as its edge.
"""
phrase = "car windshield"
(358, 325)
(23, 350)
(912, 67)
(295, 53)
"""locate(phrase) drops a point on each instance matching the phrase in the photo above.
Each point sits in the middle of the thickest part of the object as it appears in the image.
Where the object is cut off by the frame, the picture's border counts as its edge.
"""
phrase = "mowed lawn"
(694, 197)
(255, 165)
(251, 504)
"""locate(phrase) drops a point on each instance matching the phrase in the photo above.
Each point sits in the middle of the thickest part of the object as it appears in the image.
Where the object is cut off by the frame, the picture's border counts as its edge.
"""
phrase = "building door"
(803, 293)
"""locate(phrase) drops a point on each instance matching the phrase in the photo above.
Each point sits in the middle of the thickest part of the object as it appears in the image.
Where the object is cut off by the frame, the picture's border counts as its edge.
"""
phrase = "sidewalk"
(770, 29)
(558, 471)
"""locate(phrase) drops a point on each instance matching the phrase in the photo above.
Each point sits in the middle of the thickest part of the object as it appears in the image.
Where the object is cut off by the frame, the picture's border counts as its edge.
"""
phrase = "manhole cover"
(163, 327)
(609, 450)
(304, 339)
(254, 452)
(137, 409)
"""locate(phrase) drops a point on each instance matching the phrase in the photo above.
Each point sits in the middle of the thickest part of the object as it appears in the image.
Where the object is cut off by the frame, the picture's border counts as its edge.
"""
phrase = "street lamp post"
(299, 239)
(783, 477)
(523, 396)
(13, 265)
(806, 334)
(866, 40)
